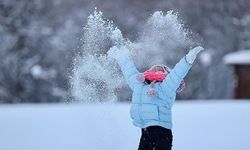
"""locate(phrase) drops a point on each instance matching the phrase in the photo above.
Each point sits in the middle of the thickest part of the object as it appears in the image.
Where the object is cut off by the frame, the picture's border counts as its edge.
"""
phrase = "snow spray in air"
(96, 78)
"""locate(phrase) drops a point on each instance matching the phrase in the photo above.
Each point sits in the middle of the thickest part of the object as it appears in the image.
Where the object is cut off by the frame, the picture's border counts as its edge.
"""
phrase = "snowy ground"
(198, 125)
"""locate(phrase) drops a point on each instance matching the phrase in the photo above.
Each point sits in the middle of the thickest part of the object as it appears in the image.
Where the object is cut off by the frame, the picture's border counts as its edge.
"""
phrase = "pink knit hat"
(151, 76)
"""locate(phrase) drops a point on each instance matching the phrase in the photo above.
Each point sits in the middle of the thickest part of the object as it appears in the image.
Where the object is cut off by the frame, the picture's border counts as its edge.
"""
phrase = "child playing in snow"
(154, 93)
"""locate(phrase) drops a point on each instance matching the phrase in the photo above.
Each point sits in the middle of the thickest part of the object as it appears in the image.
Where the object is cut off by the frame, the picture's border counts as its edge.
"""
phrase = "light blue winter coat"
(149, 111)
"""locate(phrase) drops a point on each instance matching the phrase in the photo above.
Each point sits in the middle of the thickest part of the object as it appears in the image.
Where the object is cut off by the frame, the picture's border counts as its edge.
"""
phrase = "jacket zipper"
(140, 108)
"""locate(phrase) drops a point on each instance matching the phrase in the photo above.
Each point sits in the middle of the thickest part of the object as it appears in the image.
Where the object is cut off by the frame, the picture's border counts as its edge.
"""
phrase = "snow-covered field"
(198, 125)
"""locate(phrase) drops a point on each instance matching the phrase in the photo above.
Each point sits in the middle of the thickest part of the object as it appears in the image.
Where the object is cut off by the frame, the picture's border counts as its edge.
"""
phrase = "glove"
(116, 53)
(116, 37)
(191, 56)
(113, 52)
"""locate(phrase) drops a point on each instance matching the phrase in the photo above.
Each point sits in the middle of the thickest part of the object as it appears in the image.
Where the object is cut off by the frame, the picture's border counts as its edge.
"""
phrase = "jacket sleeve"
(129, 70)
(176, 75)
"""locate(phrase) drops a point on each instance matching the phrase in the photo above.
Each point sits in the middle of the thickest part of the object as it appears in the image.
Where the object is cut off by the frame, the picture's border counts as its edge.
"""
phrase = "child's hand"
(191, 56)
(116, 53)
(197, 49)
(116, 37)
(113, 52)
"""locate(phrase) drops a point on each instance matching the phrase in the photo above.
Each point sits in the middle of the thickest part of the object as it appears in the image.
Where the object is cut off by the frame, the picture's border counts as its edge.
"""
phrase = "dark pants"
(156, 138)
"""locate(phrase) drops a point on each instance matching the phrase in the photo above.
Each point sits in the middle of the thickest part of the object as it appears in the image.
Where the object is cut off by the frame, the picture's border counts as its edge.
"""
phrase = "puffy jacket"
(148, 111)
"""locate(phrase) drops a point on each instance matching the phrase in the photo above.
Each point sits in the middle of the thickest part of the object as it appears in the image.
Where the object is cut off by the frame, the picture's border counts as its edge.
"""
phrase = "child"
(154, 93)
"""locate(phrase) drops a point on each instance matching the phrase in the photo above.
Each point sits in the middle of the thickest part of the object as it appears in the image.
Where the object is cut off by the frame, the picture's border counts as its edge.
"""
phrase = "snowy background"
(198, 125)
(52, 54)
(39, 40)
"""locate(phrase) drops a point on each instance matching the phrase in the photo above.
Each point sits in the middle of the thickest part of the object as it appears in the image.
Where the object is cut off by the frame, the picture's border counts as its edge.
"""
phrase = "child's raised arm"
(176, 75)
(126, 64)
